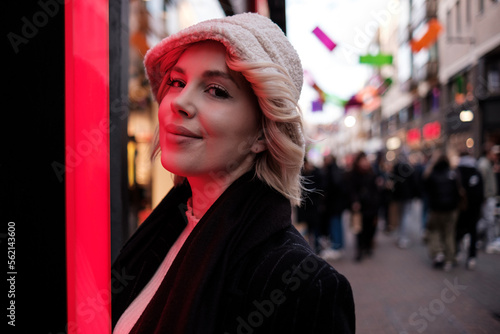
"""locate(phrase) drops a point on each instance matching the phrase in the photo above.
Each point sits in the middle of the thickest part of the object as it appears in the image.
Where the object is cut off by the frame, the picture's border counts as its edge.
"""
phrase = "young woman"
(219, 254)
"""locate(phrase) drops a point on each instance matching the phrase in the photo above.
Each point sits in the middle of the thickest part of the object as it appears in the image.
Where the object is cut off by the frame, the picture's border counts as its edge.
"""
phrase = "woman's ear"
(259, 144)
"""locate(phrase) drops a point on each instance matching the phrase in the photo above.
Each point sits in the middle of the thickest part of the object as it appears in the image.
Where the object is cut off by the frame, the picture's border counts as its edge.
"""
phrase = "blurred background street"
(397, 291)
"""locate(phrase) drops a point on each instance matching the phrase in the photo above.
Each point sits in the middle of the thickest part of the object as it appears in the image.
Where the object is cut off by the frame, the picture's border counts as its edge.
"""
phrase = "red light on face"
(431, 131)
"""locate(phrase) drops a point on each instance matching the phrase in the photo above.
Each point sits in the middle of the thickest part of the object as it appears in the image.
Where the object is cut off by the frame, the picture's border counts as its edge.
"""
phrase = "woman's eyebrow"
(217, 73)
(178, 70)
(208, 74)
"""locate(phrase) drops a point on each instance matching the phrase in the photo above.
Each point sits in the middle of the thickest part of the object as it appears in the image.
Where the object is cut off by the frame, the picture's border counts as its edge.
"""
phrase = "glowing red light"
(413, 136)
(431, 131)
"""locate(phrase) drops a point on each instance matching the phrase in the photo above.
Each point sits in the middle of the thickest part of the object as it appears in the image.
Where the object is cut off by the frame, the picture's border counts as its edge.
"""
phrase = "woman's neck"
(206, 190)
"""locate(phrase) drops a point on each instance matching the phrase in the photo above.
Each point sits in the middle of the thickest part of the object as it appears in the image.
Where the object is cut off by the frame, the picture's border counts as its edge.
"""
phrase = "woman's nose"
(184, 103)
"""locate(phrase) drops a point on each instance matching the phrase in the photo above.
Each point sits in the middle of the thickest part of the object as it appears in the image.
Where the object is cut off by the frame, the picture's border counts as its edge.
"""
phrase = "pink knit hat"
(249, 36)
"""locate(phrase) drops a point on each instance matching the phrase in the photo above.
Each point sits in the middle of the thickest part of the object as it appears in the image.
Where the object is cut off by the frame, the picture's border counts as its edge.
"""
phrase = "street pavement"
(397, 291)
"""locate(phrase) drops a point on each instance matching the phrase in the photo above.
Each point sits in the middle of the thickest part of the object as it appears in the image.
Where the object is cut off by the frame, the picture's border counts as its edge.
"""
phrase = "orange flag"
(434, 28)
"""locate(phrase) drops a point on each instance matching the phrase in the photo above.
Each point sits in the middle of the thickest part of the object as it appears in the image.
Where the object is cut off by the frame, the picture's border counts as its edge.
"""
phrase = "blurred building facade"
(399, 106)
(469, 54)
(413, 123)
(444, 95)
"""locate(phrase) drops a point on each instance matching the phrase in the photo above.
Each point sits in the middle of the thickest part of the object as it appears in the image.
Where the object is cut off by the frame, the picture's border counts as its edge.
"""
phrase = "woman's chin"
(177, 169)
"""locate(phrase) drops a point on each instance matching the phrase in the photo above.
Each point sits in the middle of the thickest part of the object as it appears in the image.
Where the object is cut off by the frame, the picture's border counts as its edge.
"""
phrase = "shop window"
(458, 89)
(392, 125)
(427, 104)
(493, 78)
(434, 99)
(384, 127)
(449, 97)
(417, 109)
(404, 116)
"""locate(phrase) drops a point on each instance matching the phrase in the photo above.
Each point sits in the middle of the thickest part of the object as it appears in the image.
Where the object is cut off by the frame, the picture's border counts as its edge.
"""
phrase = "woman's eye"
(176, 83)
(218, 92)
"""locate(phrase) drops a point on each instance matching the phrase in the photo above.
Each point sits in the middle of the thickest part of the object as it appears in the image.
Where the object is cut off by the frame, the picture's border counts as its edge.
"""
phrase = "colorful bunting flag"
(317, 106)
(324, 38)
(370, 98)
(321, 93)
(335, 100)
(323, 97)
(382, 89)
(353, 102)
(434, 29)
(376, 60)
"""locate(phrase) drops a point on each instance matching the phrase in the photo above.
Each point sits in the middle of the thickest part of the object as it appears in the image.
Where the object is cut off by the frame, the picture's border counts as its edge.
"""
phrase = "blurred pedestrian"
(309, 212)
(382, 170)
(470, 211)
(486, 224)
(335, 204)
(422, 193)
(443, 187)
(219, 253)
(404, 191)
(364, 200)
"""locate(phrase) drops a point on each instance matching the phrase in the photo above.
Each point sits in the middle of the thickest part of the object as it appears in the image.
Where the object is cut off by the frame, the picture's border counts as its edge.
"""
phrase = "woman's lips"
(179, 132)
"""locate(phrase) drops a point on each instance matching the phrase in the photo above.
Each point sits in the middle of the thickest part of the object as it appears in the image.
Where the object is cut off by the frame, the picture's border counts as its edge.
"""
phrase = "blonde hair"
(280, 165)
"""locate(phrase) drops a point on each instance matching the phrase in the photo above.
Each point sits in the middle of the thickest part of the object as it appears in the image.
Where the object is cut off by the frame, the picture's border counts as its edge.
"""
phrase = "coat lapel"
(245, 215)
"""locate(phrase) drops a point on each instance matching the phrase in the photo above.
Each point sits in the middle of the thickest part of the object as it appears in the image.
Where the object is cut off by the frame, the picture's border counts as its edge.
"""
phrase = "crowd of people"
(457, 201)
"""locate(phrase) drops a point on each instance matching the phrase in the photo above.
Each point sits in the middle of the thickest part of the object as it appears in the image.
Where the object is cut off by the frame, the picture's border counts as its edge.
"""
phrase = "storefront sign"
(413, 136)
(431, 131)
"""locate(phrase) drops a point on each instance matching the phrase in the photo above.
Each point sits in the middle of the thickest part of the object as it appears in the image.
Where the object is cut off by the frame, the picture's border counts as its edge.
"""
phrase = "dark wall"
(277, 12)
(118, 117)
(33, 195)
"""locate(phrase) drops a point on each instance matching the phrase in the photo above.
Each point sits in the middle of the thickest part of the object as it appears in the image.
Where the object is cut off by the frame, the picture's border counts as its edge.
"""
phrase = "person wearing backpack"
(470, 212)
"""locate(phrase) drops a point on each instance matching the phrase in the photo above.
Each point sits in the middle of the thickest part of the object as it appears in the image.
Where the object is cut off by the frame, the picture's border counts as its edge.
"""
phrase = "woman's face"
(209, 116)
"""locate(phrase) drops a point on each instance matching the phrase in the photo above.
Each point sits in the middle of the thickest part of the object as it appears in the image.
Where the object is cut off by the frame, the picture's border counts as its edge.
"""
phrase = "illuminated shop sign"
(413, 136)
(431, 131)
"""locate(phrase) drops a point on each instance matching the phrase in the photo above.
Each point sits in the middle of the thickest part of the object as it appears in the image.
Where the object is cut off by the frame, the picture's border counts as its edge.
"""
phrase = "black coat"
(364, 190)
(442, 187)
(336, 195)
(244, 268)
(472, 182)
(405, 178)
